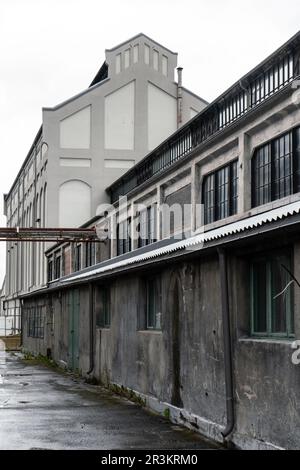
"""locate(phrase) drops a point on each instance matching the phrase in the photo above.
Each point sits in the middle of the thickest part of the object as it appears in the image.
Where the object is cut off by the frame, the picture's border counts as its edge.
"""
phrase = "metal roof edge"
(201, 238)
(73, 98)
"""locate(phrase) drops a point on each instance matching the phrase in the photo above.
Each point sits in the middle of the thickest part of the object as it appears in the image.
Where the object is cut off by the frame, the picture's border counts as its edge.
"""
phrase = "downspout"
(179, 97)
(227, 344)
(91, 311)
(21, 322)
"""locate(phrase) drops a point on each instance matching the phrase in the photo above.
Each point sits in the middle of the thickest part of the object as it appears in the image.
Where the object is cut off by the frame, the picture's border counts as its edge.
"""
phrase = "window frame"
(57, 265)
(147, 219)
(89, 254)
(35, 322)
(157, 323)
(124, 245)
(50, 269)
(267, 259)
(293, 136)
(104, 314)
(78, 258)
(233, 192)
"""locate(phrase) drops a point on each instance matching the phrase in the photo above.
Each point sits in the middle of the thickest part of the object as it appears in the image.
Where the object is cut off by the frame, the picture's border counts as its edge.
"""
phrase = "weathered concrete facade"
(177, 358)
(266, 385)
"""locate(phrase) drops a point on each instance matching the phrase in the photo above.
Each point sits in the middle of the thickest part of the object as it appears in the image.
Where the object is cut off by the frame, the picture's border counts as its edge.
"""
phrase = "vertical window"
(153, 311)
(124, 237)
(209, 199)
(155, 59)
(50, 270)
(127, 58)
(118, 63)
(296, 159)
(57, 268)
(234, 188)
(147, 54)
(77, 257)
(275, 169)
(89, 254)
(165, 65)
(103, 317)
(283, 166)
(147, 226)
(262, 175)
(220, 193)
(272, 296)
(136, 54)
(35, 322)
(29, 322)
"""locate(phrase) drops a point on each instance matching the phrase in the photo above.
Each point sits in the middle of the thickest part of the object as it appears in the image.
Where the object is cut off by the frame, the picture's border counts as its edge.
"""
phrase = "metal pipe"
(54, 239)
(179, 97)
(44, 234)
(227, 344)
(91, 308)
(21, 324)
(42, 230)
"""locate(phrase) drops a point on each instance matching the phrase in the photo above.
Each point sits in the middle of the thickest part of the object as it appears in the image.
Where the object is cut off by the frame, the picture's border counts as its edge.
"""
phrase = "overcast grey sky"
(51, 50)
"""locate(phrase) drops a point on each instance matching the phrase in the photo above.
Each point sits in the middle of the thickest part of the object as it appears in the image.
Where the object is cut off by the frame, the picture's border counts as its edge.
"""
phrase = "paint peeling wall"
(182, 367)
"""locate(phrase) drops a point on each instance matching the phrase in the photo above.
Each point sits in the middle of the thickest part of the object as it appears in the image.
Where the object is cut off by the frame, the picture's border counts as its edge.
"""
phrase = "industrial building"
(196, 314)
(86, 143)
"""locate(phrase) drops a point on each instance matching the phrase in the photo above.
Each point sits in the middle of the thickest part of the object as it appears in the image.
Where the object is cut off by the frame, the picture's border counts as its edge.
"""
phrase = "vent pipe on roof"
(179, 97)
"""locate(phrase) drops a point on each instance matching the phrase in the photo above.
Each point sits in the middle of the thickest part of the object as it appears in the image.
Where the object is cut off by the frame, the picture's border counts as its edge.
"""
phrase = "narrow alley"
(42, 408)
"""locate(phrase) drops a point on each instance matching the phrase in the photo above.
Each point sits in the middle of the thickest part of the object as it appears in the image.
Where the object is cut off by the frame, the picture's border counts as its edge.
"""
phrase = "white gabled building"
(89, 141)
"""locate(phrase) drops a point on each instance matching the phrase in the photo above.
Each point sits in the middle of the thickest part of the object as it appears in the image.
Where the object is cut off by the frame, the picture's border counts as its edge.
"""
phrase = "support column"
(244, 172)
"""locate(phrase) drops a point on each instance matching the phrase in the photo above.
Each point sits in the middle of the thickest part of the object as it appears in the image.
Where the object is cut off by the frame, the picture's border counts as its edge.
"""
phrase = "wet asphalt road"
(41, 408)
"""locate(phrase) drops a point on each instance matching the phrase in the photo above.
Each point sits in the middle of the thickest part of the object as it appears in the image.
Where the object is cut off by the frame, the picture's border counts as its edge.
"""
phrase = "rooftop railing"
(265, 81)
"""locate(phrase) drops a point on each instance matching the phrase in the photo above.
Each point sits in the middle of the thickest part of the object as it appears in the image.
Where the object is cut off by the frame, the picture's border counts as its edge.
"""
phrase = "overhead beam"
(26, 234)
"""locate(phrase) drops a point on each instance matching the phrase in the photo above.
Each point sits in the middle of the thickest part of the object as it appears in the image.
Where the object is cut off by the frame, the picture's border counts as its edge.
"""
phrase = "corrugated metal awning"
(193, 243)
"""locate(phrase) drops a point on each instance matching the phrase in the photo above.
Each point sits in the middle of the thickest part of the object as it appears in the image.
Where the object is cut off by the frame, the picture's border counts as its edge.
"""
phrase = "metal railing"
(261, 84)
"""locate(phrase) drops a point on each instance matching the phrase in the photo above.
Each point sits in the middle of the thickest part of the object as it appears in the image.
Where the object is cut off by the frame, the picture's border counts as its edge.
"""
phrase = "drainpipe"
(227, 344)
(91, 307)
(21, 322)
(179, 97)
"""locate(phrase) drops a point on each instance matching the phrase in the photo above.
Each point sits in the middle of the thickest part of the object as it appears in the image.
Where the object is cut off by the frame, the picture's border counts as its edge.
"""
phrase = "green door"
(74, 308)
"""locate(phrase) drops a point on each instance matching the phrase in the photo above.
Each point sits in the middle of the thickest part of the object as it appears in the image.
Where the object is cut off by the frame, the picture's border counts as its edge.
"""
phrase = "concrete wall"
(182, 366)
(267, 384)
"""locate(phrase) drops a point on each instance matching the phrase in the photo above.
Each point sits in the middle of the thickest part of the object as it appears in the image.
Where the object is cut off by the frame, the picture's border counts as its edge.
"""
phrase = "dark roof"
(101, 75)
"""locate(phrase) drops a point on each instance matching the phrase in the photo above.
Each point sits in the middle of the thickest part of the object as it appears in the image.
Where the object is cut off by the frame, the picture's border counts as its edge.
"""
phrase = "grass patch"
(40, 359)
(127, 393)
